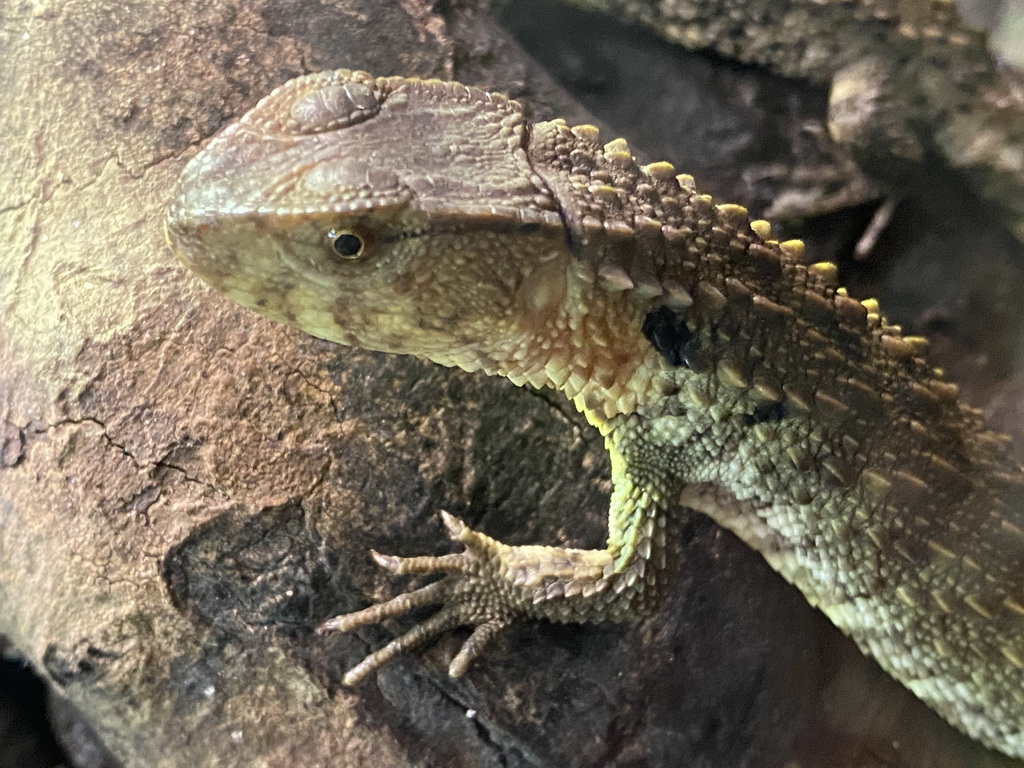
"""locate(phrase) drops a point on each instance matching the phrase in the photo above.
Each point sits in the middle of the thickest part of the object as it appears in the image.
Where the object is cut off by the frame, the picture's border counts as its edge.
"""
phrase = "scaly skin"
(427, 218)
(908, 80)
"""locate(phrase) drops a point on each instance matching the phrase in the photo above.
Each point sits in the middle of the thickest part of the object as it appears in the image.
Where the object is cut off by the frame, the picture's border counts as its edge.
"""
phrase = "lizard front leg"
(489, 586)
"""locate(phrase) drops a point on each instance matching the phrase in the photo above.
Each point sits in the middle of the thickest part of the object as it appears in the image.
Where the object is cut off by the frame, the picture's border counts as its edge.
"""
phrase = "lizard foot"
(489, 585)
(466, 593)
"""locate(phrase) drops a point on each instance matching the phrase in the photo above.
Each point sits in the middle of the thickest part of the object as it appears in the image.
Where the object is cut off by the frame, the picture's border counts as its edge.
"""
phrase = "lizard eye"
(347, 243)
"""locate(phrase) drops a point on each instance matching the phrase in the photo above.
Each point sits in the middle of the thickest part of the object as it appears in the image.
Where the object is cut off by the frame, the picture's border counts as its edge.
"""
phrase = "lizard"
(909, 82)
(725, 374)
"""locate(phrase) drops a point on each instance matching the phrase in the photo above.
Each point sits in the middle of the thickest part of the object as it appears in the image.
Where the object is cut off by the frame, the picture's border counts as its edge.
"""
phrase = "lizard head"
(391, 214)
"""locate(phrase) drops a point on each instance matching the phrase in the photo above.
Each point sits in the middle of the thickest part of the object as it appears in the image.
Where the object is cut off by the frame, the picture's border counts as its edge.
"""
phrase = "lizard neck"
(567, 332)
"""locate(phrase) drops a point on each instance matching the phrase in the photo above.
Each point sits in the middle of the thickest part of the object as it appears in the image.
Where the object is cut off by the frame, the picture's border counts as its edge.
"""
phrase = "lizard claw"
(410, 641)
(428, 564)
(476, 643)
(456, 592)
(456, 528)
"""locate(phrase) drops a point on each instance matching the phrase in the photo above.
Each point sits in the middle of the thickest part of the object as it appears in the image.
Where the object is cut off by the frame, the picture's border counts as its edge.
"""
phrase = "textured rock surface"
(185, 489)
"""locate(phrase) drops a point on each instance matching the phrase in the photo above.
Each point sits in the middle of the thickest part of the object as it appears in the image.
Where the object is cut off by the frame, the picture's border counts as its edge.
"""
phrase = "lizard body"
(908, 80)
(427, 218)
